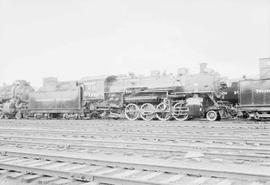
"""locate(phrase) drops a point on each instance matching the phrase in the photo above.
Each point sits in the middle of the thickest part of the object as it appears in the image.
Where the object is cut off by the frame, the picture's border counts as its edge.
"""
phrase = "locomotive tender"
(159, 96)
(255, 98)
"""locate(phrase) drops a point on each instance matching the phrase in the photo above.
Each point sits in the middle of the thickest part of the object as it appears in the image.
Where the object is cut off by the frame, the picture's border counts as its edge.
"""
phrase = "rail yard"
(84, 152)
(134, 92)
(190, 129)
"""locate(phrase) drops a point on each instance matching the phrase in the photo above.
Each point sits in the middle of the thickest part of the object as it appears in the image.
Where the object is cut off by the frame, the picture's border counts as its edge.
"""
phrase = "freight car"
(14, 99)
(254, 99)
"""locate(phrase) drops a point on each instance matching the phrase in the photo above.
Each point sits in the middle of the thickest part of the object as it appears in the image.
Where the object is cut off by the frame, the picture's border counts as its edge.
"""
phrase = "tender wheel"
(163, 112)
(132, 112)
(6, 116)
(147, 111)
(18, 115)
(94, 115)
(212, 115)
(2, 115)
(180, 112)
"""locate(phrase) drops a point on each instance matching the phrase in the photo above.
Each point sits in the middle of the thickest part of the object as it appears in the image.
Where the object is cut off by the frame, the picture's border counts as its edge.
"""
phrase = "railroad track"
(204, 131)
(136, 152)
(142, 127)
(122, 123)
(242, 155)
(165, 137)
(137, 171)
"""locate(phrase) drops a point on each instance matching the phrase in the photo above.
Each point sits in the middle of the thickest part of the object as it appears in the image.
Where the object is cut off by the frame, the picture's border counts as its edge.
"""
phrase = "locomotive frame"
(174, 105)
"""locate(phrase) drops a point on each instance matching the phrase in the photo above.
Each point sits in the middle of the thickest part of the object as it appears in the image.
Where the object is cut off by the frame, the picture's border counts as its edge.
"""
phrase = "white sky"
(71, 39)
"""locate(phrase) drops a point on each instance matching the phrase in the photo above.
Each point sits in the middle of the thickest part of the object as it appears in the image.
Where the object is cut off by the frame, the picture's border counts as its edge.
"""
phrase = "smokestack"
(264, 68)
(203, 67)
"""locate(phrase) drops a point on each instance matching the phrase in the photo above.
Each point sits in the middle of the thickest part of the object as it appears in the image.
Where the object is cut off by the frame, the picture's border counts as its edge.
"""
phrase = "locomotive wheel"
(132, 112)
(147, 111)
(163, 112)
(18, 115)
(212, 115)
(180, 112)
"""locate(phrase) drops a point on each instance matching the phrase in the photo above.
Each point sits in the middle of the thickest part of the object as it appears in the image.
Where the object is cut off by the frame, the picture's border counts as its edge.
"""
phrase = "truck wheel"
(212, 115)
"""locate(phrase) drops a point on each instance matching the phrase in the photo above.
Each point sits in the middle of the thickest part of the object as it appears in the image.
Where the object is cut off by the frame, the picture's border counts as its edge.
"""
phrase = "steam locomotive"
(14, 99)
(159, 96)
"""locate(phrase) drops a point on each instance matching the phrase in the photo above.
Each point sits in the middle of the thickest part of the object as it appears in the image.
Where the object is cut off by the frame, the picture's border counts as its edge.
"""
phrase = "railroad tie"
(30, 162)
(2, 171)
(150, 176)
(14, 175)
(61, 182)
(173, 179)
(126, 173)
(55, 165)
(91, 183)
(199, 181)
(29, 178)
(75, 167)
(39, 163)
(256, 183)
(90, 169)
(46, 180)
(225, 182)
(105, 171)
(18, 161)
(7, 159)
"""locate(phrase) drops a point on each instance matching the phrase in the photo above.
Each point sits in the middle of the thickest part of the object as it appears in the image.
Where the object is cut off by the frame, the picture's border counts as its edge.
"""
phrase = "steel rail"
(220, 171)
(213, 131)
(252, 154)
(98, 123)
(194, 137)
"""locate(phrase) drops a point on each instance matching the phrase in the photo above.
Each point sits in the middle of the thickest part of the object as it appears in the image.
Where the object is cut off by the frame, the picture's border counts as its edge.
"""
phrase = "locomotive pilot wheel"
(180, 112)
(132, 112)
(212, 115)
(147, 111)
(163, 112)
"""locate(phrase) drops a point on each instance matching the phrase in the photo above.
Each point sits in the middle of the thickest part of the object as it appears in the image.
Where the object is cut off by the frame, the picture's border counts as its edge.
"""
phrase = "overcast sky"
(71, 39)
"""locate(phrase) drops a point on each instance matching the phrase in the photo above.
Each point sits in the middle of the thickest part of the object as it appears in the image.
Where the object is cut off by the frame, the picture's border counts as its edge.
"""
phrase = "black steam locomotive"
(159, 96)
